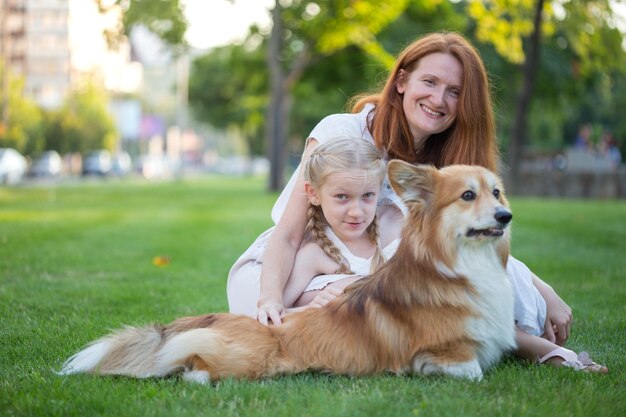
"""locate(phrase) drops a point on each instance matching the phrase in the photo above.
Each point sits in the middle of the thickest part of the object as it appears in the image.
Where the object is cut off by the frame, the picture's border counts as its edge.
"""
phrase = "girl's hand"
(270, 311)
(325, 296)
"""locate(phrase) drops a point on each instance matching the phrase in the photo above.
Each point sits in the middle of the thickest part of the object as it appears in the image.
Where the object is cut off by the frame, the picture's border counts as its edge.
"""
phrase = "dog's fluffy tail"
(131, 351)
(201, 348)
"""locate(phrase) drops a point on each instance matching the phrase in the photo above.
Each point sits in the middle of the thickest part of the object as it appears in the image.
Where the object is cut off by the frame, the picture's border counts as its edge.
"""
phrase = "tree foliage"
(228, 87)
(23, 130)
(83, 123)
(164, 18)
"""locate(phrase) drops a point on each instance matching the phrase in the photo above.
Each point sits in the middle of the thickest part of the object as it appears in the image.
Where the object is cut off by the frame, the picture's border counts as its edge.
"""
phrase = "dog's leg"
(427, 364)
(197, 371)
(199, 377)
(470, 369)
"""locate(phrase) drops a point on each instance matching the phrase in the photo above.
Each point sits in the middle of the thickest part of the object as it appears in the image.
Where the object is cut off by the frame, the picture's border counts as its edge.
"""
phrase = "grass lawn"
(76, 261)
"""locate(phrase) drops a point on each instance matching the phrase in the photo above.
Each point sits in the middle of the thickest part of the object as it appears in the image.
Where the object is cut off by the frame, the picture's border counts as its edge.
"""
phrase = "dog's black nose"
(503, 215)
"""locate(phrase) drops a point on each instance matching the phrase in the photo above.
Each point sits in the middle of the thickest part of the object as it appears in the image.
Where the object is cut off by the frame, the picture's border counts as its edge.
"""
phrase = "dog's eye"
(468, 195)
(496, 193)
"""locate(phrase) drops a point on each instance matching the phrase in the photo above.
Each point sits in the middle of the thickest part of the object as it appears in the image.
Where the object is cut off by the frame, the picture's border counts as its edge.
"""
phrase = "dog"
(442, 304)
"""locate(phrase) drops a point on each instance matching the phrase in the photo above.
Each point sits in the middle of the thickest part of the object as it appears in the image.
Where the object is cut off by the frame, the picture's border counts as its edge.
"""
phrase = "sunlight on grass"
(77, 261)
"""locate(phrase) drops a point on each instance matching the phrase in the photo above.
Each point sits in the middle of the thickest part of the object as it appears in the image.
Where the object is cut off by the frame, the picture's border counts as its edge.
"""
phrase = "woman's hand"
(559, 316)
(270, 311)
(558, 319)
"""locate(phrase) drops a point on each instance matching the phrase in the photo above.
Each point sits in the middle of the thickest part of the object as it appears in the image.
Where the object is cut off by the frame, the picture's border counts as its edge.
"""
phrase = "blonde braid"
(316, 226)
(378, 259)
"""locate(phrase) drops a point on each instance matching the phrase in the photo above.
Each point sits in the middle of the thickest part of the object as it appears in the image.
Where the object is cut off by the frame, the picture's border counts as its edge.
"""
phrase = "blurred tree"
(512, 24)
(303, 33)
(164, 18)
(23, 130)
(228, 89)
(82, 124)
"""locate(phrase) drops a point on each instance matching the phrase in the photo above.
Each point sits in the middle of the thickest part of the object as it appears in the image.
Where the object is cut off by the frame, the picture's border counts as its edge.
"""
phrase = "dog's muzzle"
(503, 218)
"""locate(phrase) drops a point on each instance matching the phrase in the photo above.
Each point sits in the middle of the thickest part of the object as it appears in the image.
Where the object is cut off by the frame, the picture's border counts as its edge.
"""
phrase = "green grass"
(76, 261)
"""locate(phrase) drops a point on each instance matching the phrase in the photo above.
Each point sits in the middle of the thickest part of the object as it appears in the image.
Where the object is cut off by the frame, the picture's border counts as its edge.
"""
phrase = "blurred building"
(56, 44)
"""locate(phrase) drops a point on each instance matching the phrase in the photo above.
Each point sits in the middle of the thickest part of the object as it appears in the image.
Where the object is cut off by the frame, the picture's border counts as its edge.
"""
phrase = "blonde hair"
(340, 155)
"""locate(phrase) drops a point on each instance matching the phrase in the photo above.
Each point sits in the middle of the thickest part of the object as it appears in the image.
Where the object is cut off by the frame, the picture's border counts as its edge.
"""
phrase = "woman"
(435, 107)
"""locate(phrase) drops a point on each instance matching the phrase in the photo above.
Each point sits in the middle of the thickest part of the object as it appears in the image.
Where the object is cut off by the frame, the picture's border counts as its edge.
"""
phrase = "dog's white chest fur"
(493, 326)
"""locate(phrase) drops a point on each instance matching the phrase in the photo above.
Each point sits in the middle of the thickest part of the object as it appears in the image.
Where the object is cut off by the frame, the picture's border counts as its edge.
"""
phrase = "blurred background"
(162, 89)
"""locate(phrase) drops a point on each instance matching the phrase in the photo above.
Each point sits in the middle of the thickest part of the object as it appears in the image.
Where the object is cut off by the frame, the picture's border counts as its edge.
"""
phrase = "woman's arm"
(281, 250)
(558, 314)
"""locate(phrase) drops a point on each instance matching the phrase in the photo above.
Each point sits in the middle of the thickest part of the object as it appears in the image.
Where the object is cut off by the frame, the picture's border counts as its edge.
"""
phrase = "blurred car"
(97, 163)
(154, 166)
(121, 164)
(49, 164)
(13, 166)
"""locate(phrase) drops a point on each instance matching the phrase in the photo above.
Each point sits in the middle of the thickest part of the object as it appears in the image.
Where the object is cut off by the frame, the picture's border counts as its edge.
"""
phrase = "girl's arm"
(310, 262)
(281, 250)
(558, 315)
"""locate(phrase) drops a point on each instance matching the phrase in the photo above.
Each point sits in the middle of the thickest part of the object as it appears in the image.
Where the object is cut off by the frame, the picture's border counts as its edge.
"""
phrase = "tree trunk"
(529, 70)
(276, 123)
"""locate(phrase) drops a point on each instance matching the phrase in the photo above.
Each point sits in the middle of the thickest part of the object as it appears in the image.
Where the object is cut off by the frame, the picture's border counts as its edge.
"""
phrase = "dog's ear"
(413, 183)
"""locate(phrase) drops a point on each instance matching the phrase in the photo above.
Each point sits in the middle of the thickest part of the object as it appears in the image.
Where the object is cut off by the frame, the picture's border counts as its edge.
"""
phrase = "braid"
(316, 226)
(378, 258)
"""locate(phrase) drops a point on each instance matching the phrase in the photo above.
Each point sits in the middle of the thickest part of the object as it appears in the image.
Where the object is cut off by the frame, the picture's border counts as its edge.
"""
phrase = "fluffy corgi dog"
(441, 304)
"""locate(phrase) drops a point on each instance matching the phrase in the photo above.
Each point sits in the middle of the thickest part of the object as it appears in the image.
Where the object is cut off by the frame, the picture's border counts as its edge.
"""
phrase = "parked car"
(121, 164)
(49, 164)
(97, 163)
(12, 166)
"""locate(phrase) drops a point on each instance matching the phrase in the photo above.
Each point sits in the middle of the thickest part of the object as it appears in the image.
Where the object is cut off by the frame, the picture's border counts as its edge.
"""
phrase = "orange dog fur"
(441, 304)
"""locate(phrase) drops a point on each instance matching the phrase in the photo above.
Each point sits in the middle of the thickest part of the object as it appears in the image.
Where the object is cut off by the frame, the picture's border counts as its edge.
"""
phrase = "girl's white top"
(358, 265)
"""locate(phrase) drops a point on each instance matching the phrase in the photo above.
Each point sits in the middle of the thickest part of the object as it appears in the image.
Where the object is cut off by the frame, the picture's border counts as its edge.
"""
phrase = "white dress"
(244, 279)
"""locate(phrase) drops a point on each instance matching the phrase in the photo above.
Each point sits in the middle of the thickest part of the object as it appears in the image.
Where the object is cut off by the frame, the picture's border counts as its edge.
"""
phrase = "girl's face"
(430, 95)
(348, 200)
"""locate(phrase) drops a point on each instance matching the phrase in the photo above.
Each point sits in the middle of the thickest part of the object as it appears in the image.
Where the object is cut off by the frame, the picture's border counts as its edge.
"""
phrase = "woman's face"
(430, 95)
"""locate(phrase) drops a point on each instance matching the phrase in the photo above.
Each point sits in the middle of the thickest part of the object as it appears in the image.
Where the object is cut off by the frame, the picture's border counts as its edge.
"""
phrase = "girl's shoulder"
(310, 253)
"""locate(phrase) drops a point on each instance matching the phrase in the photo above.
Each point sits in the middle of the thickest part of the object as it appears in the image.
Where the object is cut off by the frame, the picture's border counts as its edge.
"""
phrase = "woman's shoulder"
(341, 125)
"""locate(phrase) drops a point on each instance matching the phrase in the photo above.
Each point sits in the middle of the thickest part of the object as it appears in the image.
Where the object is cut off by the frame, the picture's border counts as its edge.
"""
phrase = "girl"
(342, 181)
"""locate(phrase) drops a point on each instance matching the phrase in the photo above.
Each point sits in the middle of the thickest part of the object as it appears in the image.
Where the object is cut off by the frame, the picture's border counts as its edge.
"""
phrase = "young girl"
(343, 181)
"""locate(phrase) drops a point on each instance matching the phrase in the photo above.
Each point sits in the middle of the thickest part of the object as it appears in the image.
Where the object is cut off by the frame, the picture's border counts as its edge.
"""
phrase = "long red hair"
(469, 140)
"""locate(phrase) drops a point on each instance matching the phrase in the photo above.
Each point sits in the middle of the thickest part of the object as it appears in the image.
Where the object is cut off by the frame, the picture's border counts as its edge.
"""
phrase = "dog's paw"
(198, 377)
(469, 370)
